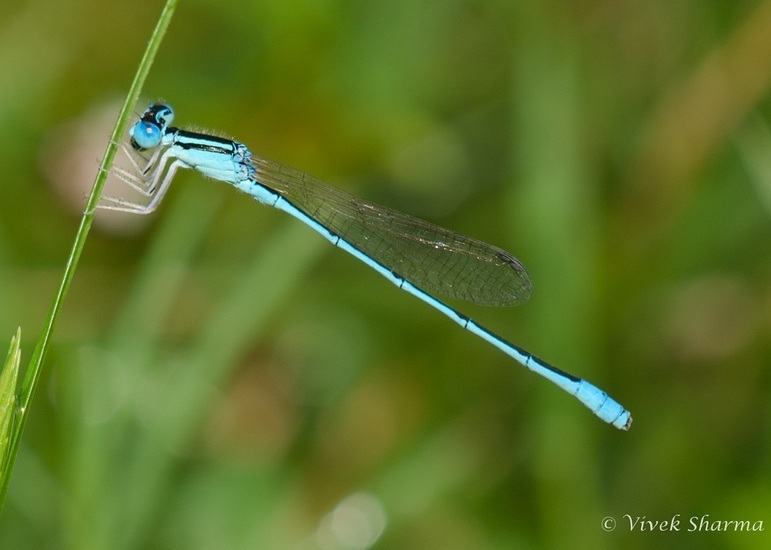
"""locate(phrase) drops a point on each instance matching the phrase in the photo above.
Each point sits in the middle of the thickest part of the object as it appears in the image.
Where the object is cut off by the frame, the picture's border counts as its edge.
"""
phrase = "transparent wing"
(432, 258)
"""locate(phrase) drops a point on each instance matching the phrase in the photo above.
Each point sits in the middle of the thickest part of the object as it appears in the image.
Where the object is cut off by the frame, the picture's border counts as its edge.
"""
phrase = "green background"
(223, 378)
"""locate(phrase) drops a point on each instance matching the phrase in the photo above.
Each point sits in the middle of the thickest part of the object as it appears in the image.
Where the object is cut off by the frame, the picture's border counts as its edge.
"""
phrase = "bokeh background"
(223, 378)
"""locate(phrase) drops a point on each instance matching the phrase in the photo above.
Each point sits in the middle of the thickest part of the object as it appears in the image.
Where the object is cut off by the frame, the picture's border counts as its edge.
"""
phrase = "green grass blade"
(8, 377)
(34, 370)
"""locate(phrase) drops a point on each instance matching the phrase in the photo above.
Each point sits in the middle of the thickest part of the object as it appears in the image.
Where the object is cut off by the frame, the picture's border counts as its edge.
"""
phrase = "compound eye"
(145, 135)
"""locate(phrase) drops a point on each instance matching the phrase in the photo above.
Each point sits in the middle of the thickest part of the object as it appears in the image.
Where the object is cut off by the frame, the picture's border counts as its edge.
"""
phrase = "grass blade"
(34, 370)
(8, 378)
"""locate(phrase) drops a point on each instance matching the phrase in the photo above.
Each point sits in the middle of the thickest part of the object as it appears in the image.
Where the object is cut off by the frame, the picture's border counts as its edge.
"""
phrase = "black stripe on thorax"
(203, 142)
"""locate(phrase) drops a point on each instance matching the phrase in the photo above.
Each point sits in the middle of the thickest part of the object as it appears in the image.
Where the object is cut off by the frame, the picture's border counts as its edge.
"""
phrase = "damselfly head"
(149, 129)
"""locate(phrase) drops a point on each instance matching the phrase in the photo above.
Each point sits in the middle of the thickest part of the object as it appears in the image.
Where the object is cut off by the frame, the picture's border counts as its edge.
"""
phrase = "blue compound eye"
(145, 135)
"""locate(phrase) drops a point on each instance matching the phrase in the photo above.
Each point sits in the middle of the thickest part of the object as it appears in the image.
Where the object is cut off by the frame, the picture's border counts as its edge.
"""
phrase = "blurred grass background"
(222, 378)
